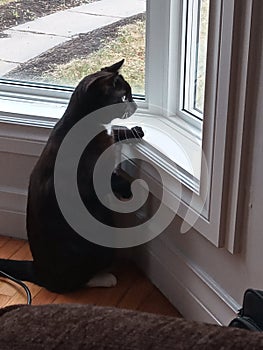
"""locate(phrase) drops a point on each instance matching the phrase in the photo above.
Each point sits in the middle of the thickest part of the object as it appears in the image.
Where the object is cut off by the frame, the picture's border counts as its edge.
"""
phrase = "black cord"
(22, 284)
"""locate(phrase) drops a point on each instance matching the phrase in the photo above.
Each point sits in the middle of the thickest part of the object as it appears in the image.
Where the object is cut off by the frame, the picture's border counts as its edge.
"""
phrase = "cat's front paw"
(121, 133)
(137, 132)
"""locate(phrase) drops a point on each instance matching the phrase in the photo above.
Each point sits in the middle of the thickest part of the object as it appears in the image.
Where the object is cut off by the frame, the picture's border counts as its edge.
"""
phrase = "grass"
(129, 44)
(3, 2)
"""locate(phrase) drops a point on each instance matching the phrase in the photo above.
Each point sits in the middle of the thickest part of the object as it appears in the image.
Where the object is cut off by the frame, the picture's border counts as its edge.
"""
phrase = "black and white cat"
(63, 260)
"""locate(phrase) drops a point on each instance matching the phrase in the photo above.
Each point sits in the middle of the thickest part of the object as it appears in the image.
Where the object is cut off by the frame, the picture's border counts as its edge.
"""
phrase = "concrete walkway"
(29, 40)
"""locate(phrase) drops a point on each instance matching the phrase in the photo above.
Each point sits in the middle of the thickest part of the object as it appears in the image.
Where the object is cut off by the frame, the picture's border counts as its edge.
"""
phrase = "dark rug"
(92, 327)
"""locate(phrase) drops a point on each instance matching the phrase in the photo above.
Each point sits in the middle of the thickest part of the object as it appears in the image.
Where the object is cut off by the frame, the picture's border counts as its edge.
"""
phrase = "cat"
(64, 261)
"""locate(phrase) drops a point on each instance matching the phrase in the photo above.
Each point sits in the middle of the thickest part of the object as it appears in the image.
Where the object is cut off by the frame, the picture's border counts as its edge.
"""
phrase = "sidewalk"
(29, 40)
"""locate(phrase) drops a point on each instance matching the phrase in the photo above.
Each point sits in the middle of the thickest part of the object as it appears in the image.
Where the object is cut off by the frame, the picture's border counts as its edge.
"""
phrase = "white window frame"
(220, 219)
(30, 107)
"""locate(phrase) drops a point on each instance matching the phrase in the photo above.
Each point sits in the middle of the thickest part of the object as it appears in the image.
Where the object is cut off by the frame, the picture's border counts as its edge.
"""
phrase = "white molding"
(194, 293)
(22, 139)
(13, 199)
(13, 224)
(238, 146)
(13, 212)
(17, 140)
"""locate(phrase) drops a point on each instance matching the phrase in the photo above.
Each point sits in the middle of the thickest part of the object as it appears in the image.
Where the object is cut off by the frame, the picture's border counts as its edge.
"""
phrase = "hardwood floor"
(133, 291)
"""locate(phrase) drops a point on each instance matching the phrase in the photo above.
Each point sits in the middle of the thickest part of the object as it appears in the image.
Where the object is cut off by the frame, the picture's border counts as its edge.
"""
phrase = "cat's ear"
(115, 67)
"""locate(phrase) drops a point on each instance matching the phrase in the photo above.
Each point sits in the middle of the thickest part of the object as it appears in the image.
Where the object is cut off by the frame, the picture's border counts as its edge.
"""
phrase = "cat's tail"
(19, 269)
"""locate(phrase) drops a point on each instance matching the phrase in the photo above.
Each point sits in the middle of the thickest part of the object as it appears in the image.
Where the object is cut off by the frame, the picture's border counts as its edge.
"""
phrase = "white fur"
(105, 279)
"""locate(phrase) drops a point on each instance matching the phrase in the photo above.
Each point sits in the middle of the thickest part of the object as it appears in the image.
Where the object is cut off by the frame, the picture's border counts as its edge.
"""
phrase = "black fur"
(62, 259)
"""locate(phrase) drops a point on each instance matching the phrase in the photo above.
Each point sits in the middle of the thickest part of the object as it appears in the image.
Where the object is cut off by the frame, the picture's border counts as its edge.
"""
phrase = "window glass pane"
(194, 60)
(201, 55)
(59, 42)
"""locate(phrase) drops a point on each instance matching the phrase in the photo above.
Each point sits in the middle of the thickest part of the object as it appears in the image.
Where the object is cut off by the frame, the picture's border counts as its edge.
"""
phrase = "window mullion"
(157, 55)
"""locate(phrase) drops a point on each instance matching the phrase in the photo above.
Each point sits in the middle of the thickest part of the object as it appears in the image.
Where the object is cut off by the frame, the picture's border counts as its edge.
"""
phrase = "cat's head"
(103, 88)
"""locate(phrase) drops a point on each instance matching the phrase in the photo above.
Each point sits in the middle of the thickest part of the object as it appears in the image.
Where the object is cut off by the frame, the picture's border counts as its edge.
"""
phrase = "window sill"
(169, 143)
(26, 105)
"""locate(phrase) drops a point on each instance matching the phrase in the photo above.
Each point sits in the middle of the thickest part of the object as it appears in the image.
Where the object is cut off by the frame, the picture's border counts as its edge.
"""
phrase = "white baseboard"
(194, 293)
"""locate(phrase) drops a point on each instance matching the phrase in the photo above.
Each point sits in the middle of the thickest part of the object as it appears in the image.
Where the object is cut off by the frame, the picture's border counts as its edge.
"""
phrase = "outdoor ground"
(67, 63)
(14, 12)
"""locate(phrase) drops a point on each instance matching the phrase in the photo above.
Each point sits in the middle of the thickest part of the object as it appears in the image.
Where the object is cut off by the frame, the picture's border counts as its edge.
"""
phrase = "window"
(192, 108)
(196, 15)
(183, 97)
(40, 50)
(175, 86)
(61, 42)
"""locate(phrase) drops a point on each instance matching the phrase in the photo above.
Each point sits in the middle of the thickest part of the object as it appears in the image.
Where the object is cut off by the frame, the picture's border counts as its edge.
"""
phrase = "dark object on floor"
(20, 283)
(91, 327)
(251, 315)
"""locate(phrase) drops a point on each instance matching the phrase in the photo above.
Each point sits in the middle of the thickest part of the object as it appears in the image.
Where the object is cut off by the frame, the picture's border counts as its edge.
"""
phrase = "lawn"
(129, 44)
(3, 2)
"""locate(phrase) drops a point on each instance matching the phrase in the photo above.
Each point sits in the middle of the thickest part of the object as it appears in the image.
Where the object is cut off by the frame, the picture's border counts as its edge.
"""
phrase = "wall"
(20, 146)
(204, 282)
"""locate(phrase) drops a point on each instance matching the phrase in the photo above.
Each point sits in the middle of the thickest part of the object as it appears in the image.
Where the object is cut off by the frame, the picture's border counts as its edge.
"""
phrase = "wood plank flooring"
(133, 291)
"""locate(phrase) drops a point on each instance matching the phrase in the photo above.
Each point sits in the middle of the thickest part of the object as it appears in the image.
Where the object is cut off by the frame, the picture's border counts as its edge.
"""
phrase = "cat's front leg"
(121, 186)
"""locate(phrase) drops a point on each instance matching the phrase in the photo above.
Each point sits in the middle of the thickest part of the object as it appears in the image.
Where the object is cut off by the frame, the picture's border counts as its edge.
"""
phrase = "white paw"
(102, 280)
